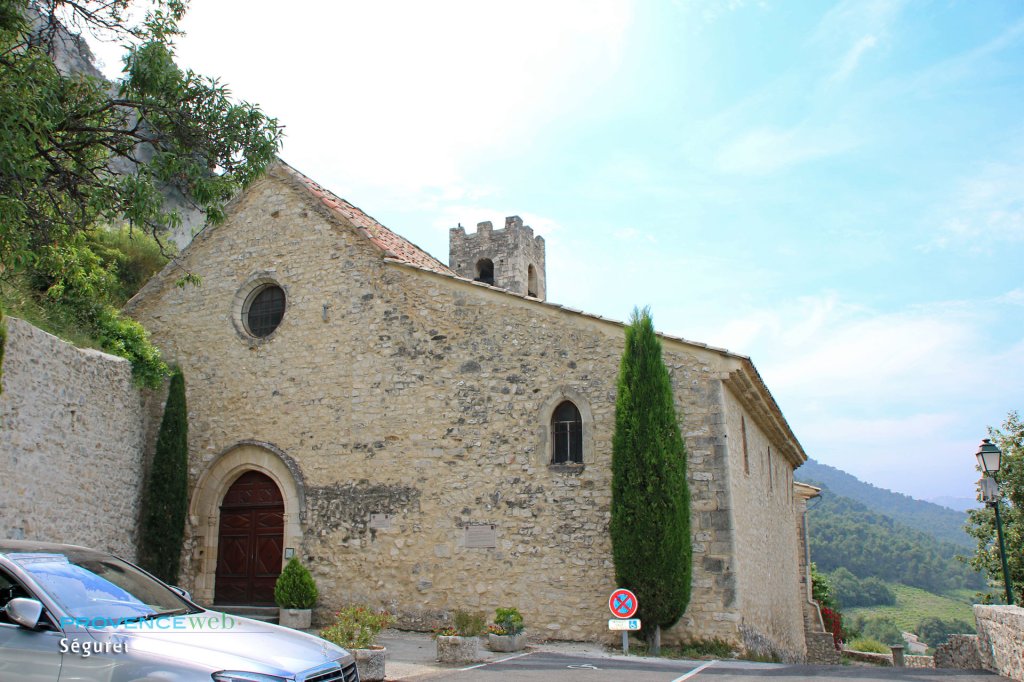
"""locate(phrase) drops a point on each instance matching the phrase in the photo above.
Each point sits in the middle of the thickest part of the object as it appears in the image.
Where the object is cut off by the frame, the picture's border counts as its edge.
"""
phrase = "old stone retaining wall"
(73, 430)
(886, 659)
(959, 651)
(1001, 639)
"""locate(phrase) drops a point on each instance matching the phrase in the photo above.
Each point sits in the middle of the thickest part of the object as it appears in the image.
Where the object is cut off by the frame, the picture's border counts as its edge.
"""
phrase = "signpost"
(623, 605)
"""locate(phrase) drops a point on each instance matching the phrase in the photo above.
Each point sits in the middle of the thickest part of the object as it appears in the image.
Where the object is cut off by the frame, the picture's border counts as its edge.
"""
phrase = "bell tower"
(511, 258)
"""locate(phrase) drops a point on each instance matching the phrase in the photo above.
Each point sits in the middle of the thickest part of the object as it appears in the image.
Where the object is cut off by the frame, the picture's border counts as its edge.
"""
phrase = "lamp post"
(989, 460)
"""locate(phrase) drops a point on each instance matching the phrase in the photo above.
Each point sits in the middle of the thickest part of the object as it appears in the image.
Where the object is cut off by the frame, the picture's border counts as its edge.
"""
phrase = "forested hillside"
(941, 523)
(845, 533)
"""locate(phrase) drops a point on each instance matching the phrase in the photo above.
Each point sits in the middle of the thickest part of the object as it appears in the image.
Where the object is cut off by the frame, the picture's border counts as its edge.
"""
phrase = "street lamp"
(989, 460)
(989, 456)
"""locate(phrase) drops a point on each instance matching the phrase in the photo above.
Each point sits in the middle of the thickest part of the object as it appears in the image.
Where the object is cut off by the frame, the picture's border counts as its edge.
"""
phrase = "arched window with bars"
(566, 434)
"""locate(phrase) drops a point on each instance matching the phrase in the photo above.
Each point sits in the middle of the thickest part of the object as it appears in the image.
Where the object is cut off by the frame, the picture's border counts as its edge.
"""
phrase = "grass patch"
(18, 300)
(868, 645)
(697, 649)
(913, 605)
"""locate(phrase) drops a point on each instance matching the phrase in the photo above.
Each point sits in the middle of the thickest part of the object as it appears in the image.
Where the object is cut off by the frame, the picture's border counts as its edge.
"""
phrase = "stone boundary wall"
(73, 431)
(959, 651)
(821, 648)
(1001, 639)
(886, 659)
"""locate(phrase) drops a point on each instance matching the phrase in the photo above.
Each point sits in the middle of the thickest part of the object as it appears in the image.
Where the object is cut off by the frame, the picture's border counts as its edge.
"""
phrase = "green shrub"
(868, 645)
(166, 503)
(75, 289)
(469, 624)
(295, 588)
(882, 629)
(357, 627)
(509, 621)
(127, 338)
(935, 631)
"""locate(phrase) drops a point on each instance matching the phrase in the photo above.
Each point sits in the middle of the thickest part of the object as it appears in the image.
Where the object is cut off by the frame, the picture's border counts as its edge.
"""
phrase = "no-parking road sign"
(623, 603)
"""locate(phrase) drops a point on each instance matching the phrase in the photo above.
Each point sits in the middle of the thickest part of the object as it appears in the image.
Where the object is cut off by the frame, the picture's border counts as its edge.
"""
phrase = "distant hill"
(846, 533)
(940, 522)
(958, 503)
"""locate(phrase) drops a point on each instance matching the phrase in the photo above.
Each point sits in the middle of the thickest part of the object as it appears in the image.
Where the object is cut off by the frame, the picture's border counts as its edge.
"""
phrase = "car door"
(26, 655)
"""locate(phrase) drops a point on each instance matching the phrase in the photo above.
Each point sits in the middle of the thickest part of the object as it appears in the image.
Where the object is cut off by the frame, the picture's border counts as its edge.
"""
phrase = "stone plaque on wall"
(380, 521)
(481, 536)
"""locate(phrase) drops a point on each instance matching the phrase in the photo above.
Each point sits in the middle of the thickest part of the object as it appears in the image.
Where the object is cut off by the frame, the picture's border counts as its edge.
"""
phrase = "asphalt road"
(543, 666)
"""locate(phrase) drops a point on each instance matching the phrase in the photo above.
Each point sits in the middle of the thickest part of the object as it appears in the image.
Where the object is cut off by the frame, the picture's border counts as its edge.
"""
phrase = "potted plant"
(460, 642)
(356, 628)
(295, 594)
(506, 632)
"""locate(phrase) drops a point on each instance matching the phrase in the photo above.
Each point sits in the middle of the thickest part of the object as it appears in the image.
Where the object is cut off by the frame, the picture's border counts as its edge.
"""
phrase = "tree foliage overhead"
(166, 502)
(79, 154)
(650, 523)
(981, 524)
(76, 150)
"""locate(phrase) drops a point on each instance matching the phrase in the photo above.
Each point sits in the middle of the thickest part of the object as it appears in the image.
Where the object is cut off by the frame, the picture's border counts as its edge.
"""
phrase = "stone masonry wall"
(72, 440)
(767, 561)
(959, 651)
(427, 400)
(1001, 639)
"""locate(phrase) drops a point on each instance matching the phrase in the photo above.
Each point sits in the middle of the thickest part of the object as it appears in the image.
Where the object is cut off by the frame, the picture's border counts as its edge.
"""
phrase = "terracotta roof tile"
(393, 245)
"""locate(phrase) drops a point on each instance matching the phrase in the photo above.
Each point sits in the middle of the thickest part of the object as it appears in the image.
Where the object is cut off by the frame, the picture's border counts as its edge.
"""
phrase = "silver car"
(71, 613)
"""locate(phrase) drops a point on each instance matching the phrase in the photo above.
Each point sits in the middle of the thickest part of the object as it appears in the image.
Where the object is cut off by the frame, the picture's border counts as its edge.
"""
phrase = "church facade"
(431, 437)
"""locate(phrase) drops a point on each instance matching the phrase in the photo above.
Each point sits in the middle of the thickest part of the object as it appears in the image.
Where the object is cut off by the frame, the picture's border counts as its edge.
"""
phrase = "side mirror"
(182, 591)
(24, 612)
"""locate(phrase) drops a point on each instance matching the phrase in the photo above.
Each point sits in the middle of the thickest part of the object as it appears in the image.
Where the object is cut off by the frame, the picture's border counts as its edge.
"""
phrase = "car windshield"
(99, 588)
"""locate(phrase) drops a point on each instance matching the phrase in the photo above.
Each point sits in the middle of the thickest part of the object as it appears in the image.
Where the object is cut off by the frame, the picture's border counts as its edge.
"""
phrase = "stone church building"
(432, 437)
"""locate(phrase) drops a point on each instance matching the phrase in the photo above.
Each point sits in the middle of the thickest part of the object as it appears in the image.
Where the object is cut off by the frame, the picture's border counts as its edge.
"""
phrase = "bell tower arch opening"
(511, 258)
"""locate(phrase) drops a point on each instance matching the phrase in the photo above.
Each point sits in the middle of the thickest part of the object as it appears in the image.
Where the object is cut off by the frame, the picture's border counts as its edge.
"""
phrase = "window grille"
(566, 434)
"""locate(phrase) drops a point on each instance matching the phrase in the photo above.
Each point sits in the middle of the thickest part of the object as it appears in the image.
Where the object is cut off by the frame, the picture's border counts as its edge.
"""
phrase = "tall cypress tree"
(166, 501)
(650, 525)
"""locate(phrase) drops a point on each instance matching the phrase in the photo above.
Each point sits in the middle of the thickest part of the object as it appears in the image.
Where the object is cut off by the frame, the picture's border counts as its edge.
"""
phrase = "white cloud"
(852, 58)
(711, 12)
(986, 209)
(408, 95)
(768, 150)
(882, 394)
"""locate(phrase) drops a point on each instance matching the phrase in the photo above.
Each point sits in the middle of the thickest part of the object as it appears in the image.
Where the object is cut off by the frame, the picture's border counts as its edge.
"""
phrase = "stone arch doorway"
(211, 491)
(250, 541)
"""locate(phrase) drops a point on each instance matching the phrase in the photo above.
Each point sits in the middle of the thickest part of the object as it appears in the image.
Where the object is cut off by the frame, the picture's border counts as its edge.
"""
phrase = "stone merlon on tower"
(511, 258)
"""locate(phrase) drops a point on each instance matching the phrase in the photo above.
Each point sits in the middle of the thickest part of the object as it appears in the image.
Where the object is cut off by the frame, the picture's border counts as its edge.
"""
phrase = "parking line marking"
(502, 660)
(695, 671)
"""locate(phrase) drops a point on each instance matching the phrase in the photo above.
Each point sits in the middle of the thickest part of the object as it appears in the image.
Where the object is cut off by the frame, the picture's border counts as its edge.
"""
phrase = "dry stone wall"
(1001, 639)
(417, 407)
(959, 651)
(72, 439)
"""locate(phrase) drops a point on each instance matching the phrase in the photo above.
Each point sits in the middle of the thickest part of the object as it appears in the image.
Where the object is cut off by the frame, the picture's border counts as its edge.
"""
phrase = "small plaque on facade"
(380, 521)
(481, 536)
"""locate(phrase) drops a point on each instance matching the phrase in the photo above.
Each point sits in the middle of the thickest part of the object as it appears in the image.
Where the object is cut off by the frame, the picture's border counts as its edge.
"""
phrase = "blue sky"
(834, 189)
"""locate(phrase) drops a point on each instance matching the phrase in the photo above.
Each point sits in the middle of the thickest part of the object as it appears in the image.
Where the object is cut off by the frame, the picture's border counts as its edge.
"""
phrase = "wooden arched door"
(251, 541)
